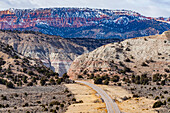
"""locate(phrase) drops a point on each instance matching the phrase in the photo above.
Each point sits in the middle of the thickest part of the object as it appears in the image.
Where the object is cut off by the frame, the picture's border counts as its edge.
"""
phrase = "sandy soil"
(133, 105)
(91, 102)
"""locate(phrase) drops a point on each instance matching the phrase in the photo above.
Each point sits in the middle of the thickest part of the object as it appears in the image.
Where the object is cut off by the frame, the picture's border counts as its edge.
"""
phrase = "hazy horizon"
(152, 8)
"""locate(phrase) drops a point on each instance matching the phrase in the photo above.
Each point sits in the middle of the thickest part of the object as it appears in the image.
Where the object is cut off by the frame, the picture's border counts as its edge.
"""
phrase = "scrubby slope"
(20, 70)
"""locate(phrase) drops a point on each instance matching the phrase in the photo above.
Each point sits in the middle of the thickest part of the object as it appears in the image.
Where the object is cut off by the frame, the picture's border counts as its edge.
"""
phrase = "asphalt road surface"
(110, 103)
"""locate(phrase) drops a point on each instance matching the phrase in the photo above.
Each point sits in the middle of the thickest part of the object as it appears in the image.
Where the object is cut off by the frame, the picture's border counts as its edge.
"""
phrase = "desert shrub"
(137, 79)
(121, 64)
(54, 97)
(80, 101)
(9, 85)
(54, 103)
(42, 105)
(30, 84)
(167, 70)
(133, 79)
(20, 83)
(119, 84)
(53, 111)
(24, 70)
(127, 80)
(156, 98)
(115, 78)
(163, 82)
(126, 69)
(105, 77)
(57, 108)
(2, 62)
(157, 104)
(164, 103)
(4, 97)
(85, 72)
(98, 80)
(24, 79)
(7, 105)
(66, 91)
(39, 102)
(69, 95)
(154, 88)
(91, 76)
(168, 99)
(127, 60)
(65, 76)
(59, 81)
(106, 82)
(162, 96)
(156, 77)
(127, 49)
(80, 76)
(25, 60)
(73, 99)
(16, 95)
(30, 73)
(52, 81)
(144, 79)
(61, 105)
(165, 92)
(144, 64)
(42, 82)
(135, 96)
(26, 105)
(17, 63)
(34, 79)
(45, 109)
(2, 106)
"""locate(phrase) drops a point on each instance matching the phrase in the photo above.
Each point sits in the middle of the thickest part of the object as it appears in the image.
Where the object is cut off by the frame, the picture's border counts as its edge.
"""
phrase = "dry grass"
(133, 105)
(140, 105)
(91, 102)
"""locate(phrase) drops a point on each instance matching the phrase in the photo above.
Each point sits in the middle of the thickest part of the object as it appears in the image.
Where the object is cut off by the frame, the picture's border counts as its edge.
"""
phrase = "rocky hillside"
(17, 70)
(55, 52)
(83, 22)
(136, 56)
(18, 73)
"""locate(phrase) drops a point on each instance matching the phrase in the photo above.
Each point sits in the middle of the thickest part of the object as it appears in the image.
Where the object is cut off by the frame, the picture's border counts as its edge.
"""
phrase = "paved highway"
(110, 104)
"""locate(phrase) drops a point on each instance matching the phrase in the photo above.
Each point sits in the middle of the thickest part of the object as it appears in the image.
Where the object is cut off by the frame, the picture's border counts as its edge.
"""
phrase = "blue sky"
(153, 8)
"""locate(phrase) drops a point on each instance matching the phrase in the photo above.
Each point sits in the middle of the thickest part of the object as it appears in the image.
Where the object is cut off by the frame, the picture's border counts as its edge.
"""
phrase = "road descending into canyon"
(110, 104)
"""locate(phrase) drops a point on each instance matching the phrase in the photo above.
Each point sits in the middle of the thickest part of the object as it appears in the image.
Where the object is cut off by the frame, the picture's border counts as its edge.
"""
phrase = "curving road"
(110, 104)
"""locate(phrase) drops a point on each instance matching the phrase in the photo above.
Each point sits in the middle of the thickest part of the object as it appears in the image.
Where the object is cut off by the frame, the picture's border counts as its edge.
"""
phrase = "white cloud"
(152, 8)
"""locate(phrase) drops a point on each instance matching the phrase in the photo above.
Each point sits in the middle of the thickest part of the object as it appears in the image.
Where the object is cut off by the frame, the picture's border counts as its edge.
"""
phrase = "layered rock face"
(83, 22)
(55, 52)
(133, 56)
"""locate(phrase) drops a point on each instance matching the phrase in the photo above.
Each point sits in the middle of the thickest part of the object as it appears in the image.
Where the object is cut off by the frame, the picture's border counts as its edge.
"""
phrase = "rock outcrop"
(55, 52)
(137, 56)
(83, 22)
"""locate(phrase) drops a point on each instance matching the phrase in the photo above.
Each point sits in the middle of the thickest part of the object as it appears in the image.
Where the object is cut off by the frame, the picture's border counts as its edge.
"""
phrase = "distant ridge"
(83, 22)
